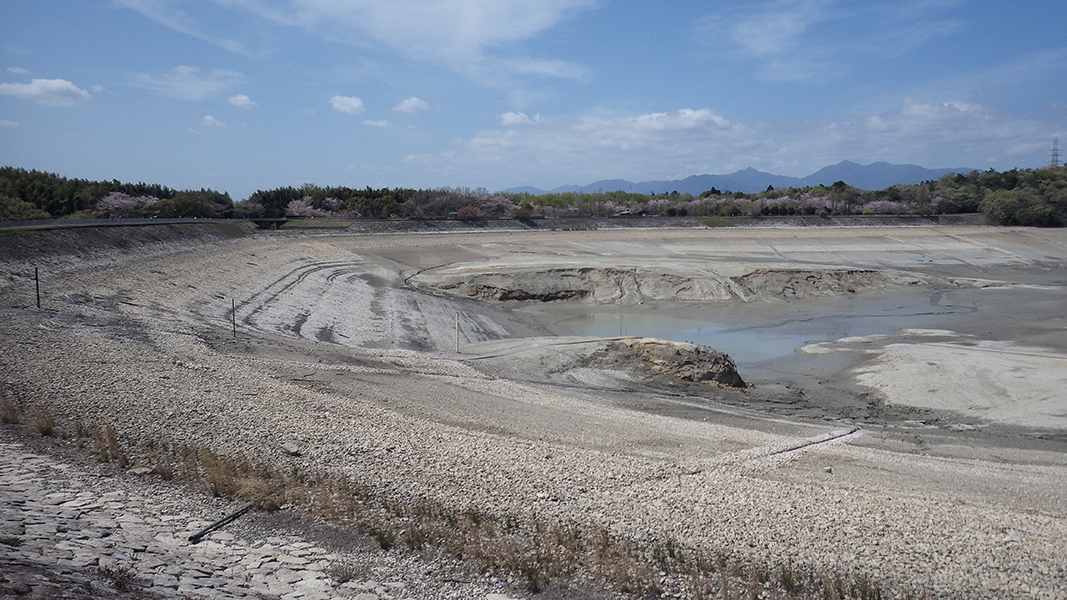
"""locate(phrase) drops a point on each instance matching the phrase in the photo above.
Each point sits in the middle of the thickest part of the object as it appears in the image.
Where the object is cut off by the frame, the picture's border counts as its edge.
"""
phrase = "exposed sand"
(955, 481)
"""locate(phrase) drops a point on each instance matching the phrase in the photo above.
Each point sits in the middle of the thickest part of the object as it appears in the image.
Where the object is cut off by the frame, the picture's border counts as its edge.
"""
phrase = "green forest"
(1029, 197)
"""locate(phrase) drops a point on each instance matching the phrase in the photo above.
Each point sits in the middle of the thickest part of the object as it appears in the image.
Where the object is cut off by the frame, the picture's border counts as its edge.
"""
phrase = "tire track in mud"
(263, 300)
(397, 318)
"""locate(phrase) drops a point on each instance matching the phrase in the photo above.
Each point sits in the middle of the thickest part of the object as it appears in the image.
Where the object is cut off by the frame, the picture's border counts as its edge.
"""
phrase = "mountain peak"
(875, 176)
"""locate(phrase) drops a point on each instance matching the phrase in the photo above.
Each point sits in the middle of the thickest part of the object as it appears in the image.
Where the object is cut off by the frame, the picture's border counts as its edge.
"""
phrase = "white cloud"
(6, 123)
(212, 123)
(411, 105)
(511, 119)
(381, 123)
(51, 92)
(684, 119)
(347, 104)
(242, 101)
(429, 159)
(188, 83)
(18, 71)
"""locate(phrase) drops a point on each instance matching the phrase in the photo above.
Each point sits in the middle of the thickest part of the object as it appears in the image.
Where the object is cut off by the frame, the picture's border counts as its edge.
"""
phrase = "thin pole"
(233, 316)
(37, 278)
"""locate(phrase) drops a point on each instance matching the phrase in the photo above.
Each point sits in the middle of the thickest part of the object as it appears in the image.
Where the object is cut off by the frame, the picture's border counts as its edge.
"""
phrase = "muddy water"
(756, 333)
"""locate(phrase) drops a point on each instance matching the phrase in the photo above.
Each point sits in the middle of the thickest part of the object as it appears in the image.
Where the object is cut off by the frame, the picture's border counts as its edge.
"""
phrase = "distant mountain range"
(875, 176)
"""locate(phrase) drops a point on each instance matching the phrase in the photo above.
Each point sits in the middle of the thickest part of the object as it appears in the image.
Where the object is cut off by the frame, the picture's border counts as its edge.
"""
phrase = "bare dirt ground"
(930, 457)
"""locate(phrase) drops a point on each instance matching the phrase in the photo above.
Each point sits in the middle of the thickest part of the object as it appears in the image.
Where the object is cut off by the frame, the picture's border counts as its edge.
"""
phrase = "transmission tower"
(1055, 161)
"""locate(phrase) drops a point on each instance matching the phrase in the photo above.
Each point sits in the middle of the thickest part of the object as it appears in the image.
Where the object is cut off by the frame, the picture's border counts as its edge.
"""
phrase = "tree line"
(1035, 197)
(40, 195)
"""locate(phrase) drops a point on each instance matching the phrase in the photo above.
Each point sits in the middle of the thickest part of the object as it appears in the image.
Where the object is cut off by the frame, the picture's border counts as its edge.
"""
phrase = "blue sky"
(239, 95)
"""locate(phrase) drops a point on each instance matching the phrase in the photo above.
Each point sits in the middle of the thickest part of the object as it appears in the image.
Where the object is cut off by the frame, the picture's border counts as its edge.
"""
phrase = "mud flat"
(929, 457)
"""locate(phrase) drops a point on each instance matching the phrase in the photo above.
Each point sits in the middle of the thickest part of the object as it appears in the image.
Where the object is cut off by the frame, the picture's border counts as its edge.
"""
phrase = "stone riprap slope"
(74, 531)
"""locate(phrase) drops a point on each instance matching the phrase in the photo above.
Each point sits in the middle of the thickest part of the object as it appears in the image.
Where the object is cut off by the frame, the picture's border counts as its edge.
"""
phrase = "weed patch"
(8, 413)
(107, 446)
(41, 421)
(121, 577)
(343, 571)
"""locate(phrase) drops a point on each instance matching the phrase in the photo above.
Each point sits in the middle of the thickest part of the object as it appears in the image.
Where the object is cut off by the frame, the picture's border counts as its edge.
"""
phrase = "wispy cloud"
(18, 71)
(347, 104)
(241, 101)
(167, 13)
(920, 131)
(411, 105)
(469, 36)
(6, 123)
(1035, 70)
(812, 40)
(50, 92)
(378, 123)
(189, 83)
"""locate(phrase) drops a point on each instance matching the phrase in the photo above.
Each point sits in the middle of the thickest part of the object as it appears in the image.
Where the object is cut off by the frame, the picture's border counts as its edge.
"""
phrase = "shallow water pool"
(752, 333)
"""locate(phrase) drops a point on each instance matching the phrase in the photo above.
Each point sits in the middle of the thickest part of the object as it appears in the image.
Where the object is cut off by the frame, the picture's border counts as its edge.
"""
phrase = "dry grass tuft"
(238, 479)
(8, 413)
(107, 446)
(41, 421)
(343, 571)
(120, 576)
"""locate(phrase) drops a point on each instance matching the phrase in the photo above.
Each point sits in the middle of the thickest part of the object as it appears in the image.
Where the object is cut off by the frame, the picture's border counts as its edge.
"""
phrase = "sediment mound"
(613, 363)
(611, 285)
(674, 360)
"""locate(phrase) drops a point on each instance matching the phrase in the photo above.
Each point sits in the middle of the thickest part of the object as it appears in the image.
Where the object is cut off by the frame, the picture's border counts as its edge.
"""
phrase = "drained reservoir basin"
(901, 419)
